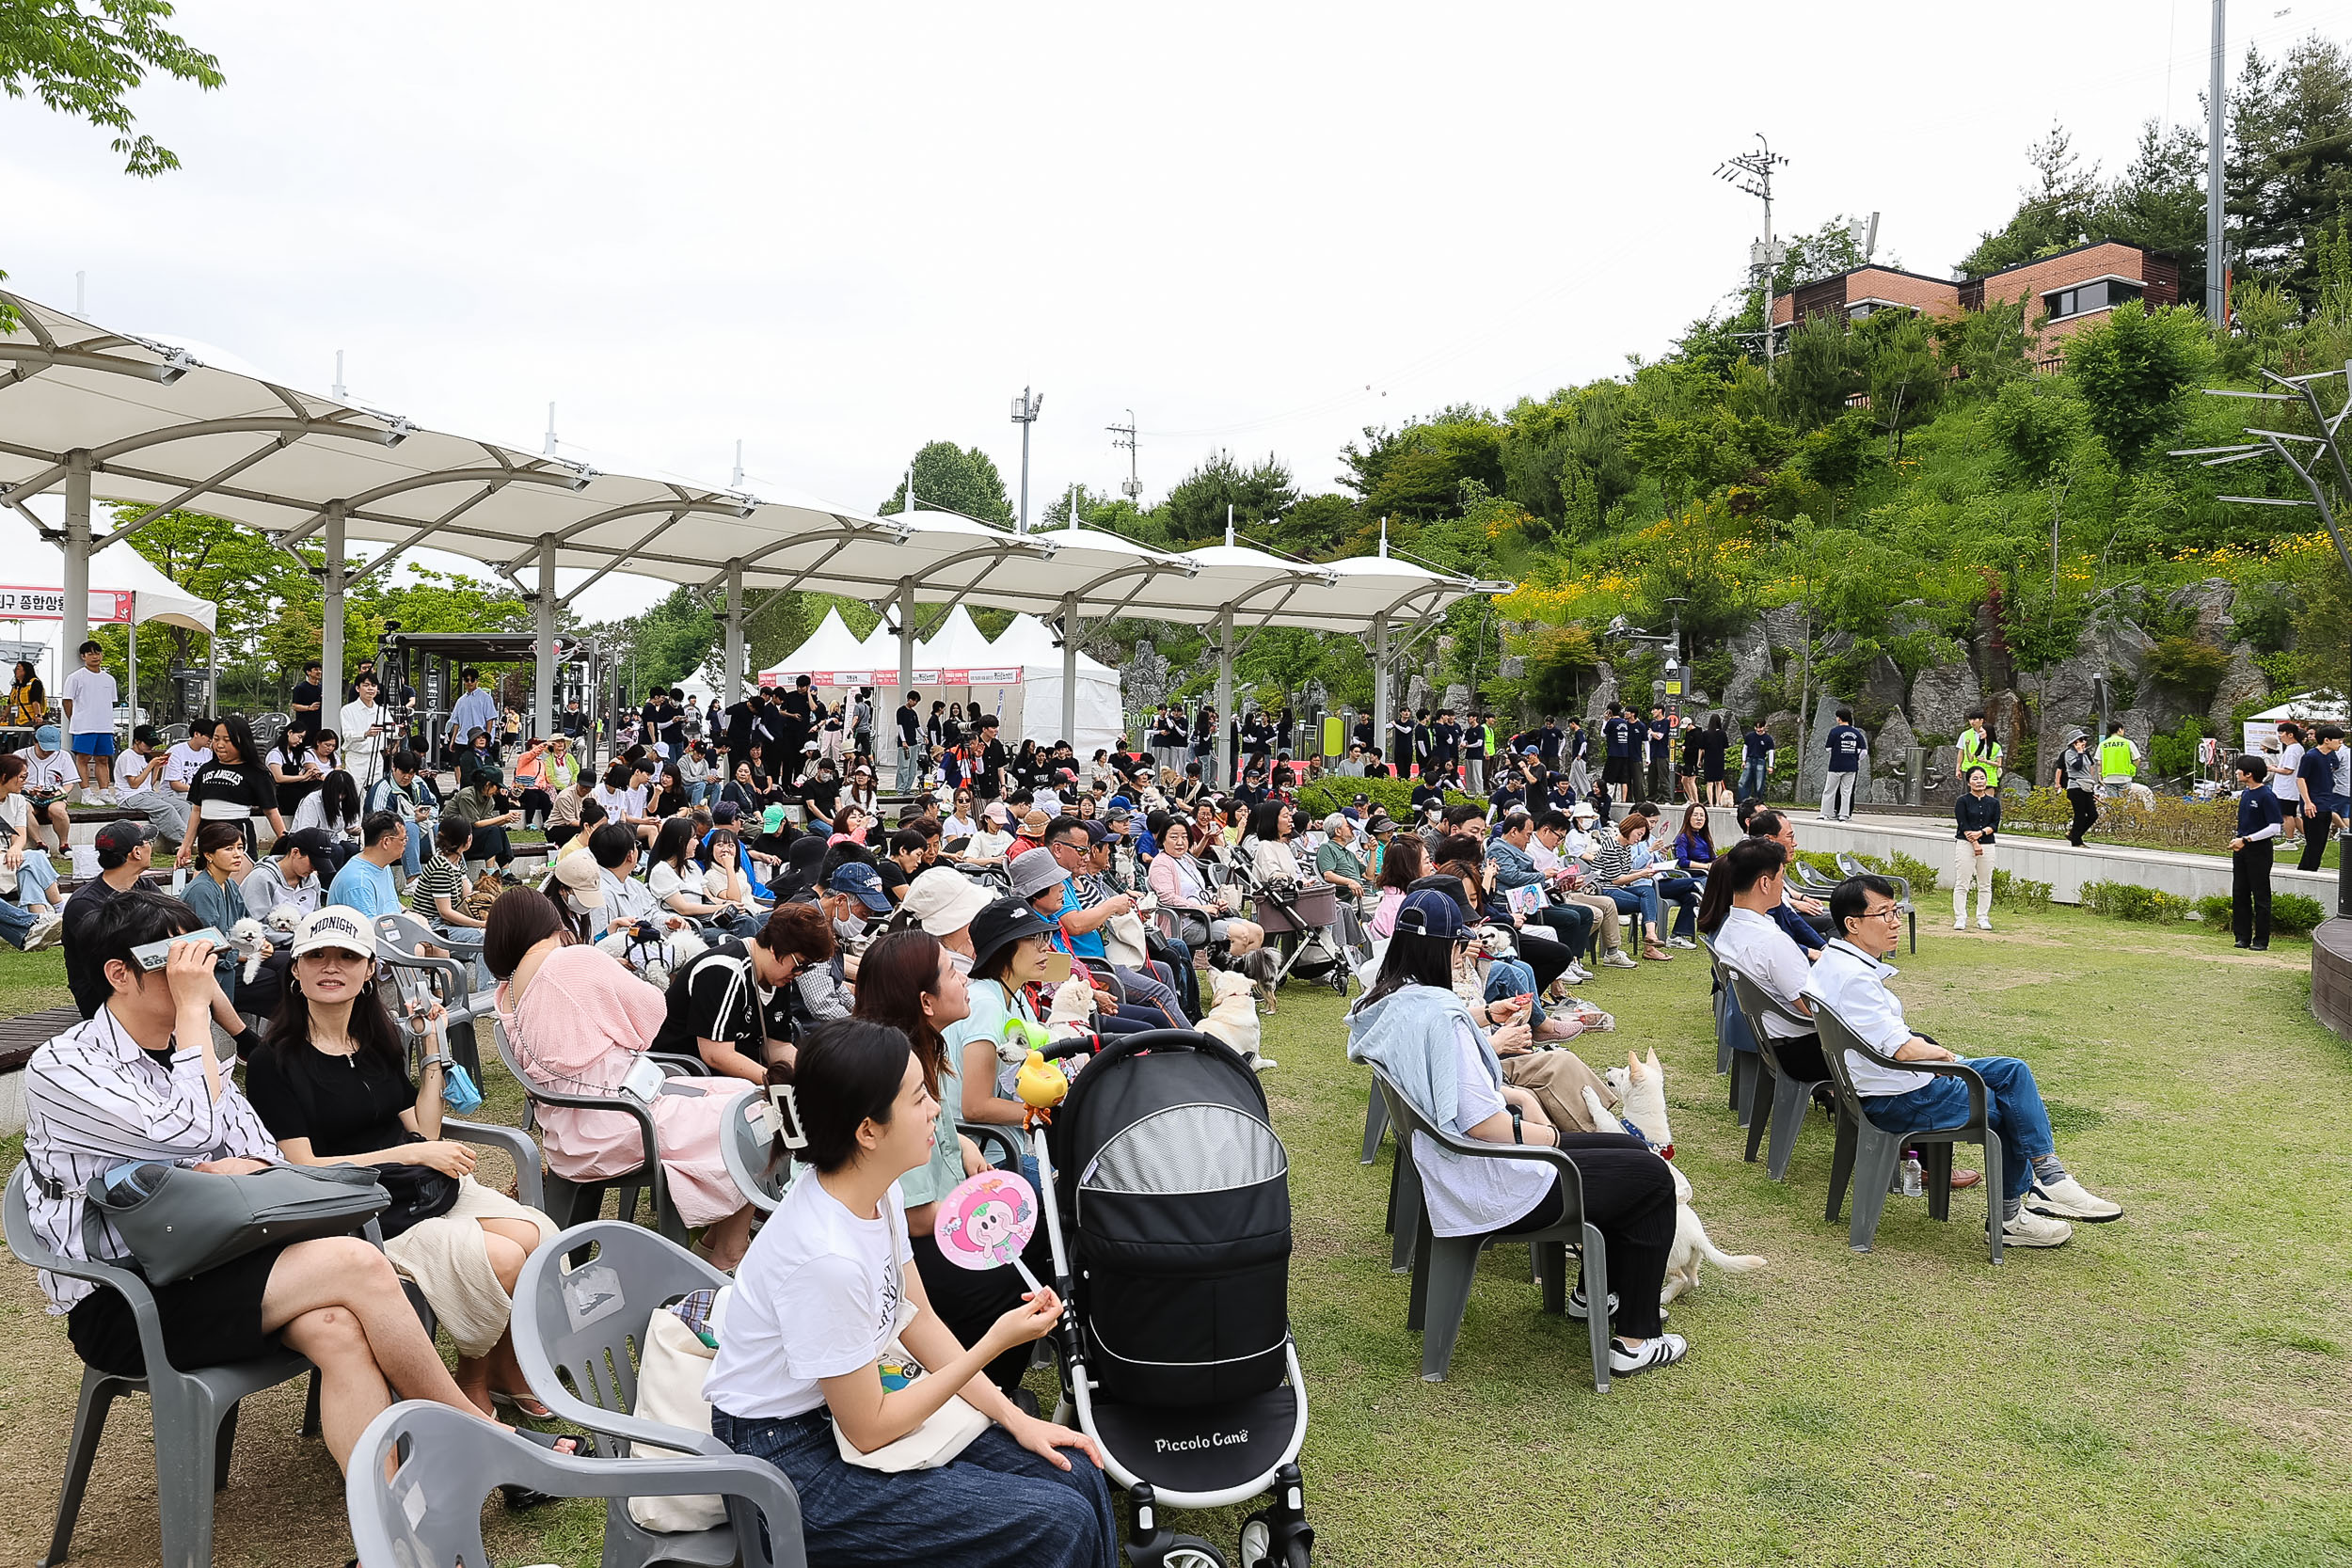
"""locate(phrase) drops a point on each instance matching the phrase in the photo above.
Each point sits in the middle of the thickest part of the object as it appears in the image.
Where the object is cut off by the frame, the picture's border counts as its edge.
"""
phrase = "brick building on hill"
(2062, 293)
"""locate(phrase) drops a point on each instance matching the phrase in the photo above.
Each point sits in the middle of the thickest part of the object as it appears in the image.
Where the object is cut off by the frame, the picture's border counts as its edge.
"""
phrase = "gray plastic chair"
(429, 1512)
(579, 1322)
(1443, 1266)
(194, 1410)
(1781, 1099)
(570, 1202)
(1867, 1157)
(1742, 1067)
(761, 1167)
(448, 981)
(1850, 864)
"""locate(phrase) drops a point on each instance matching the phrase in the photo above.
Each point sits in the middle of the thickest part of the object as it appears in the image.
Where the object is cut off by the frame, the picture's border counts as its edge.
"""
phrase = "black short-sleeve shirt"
(344, 1105)
(716, 998)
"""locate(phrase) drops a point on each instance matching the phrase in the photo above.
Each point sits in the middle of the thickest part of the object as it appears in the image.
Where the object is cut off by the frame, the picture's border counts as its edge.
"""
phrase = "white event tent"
(153, 425)
(123, 587)
(1027, 645)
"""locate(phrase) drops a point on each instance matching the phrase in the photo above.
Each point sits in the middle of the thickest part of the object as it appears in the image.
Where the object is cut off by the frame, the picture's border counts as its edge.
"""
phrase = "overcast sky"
(837, 232)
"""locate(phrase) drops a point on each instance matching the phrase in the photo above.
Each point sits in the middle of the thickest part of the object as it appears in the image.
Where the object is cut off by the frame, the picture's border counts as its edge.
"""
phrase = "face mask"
(960, 962)
(850, 927)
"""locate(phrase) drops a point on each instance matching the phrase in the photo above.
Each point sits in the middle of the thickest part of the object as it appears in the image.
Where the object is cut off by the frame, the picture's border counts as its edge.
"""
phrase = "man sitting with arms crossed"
(1754, 870)
(140, 1081)
(2039, 1197)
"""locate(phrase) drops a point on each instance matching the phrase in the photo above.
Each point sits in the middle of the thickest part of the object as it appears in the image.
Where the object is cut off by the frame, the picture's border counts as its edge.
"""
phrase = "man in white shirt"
(48, 774)
(2039, 1197)
(183, 759)
(89, 718)
(475, 709)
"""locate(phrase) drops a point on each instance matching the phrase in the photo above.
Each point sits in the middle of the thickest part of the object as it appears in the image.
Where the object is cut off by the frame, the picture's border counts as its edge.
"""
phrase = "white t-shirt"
(182, 760)
(665, 882)
(1468, 1196)
(817, 1295)
(92, 694)
(53, 774)
(2283, 785)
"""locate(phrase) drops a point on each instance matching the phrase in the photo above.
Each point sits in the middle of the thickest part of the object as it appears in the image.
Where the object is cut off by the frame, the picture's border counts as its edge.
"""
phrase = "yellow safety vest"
(2115, 758)
(1980, 751)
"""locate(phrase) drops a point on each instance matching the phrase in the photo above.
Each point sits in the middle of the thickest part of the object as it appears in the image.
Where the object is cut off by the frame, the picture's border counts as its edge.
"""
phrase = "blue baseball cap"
(860, 880)
(47, 736)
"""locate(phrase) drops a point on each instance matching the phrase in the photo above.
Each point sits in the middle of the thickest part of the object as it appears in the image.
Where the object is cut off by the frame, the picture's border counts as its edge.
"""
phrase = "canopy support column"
(1225, 697)
(1069, 669)
(76, 629)
(1380, 682)
(543, 643)
(733, 685)
(898, 755)
(331, 617)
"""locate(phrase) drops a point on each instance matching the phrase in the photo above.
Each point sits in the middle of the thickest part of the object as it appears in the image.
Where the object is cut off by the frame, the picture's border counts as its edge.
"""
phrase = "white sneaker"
(1983, 924)
(1663, 1350)
(1960, 923)
(1682, 942)
(47, 932)
(1617, 958)
(2032, 1229)
(2067, 1199)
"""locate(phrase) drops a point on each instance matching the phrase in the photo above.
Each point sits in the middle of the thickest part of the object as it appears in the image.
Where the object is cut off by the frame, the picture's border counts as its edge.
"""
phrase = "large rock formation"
(1941, 698)
(2210, 602)
(1604, 692)
(2240, 683)
(1751, 661)
(1457, 698)
(1882, 691)
(1890, 749)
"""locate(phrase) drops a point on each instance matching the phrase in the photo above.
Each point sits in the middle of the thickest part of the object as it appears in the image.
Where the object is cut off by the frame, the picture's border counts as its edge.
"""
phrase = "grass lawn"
(2175, 1388)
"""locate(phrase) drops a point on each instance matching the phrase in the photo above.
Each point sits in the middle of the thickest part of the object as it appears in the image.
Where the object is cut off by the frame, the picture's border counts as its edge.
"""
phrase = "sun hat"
(1429, 913)
(1585, 812)
(580, 877)
(336, 925)
(1001, 923)
(1035, 824)
(943, 899)
(1034, 871)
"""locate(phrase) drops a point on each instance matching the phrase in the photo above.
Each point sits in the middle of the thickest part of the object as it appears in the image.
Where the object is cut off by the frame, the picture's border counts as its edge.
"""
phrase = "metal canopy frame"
(151, 426)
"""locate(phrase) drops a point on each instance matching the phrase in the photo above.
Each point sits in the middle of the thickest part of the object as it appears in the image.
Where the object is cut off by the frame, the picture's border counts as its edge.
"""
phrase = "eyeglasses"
(1892, 912)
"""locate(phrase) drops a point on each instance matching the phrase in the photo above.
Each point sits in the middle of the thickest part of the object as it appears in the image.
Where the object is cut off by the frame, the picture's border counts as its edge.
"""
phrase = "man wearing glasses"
(1087, 908)
(1850, 977)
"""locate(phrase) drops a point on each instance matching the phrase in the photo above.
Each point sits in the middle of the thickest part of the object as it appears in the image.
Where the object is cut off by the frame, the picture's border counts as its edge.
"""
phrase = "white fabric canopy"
(1027, 643)
(28, 561)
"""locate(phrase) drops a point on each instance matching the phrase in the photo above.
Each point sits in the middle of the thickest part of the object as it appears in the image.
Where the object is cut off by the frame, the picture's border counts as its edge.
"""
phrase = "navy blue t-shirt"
(1845, 749)
(2318, 773)
(2257, 808)
(1618, 736)
(1758, 745)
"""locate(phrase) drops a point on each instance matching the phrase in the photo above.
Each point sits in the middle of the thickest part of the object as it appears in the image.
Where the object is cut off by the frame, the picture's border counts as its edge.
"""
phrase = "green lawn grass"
(2175, 1388)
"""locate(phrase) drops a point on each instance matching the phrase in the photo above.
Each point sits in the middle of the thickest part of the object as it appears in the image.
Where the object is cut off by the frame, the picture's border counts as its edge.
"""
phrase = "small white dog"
(1641, 1090)
(653, 961)
(1234, 1016)
(250, 936)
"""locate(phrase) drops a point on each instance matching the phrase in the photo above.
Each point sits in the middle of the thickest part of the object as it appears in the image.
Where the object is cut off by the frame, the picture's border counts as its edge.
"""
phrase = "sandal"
(524, 1405)
(518, 1496)
(1657, 956)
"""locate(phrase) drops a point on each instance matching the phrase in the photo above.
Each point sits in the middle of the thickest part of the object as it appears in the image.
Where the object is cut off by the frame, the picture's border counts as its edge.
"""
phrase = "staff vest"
(2115, 758)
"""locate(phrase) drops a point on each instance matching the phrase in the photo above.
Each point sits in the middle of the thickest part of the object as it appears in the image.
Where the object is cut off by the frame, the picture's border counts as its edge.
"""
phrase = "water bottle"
(1915, 1181)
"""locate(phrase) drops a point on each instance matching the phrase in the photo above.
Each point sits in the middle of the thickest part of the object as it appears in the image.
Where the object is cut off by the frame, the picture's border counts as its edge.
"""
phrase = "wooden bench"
(18, 1038)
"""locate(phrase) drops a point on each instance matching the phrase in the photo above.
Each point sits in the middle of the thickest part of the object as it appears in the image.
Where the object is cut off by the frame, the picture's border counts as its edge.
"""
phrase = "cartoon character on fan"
(989, 1219)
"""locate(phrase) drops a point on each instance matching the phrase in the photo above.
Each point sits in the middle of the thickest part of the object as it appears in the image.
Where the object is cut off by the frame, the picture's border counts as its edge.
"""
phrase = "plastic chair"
(194, 1410)
(761, 1167)
(578, 1323)
(570, 1202)
(447, 981)
(1444, 1265)
(1735, 1044)
(1868, 1156)
(1781, 1099)
(1852, 865)
(429, 1511)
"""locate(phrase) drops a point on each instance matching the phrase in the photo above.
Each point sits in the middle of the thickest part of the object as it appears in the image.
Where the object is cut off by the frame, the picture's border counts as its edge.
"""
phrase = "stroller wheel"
(1190, 1551)
(1257, 1542)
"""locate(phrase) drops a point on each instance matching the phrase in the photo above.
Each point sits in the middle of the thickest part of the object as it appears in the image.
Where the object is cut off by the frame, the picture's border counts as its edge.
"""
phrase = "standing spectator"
(234, 787)
(2118, 761)
(1976, 814)
(89, 718)
(2078, 774)
(306, 706)
(1618, 759)
(2323, 807)
(1845, 746)
(910, 737)
(475, 709)
(2284, 774)
(28, 699)
(1658, 737)
(1715, 745)
(367, 730)
(2250, 854)
(1756, 762)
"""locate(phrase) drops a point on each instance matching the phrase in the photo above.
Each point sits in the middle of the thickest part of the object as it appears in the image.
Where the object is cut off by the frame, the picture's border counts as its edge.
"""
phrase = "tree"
(949, 478)
(2288, 179)
(2133, 371)
(2058, 211)
(1900, 369)
(79, 57)
(1818, 373)
(1195, 510)
(1985, 350)
(1418, 472)
(1563, 459)
(2037, 427)
(2158, 203)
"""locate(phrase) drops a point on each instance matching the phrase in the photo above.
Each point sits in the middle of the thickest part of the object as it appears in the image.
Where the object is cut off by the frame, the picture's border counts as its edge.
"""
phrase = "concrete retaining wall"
(2042, 860)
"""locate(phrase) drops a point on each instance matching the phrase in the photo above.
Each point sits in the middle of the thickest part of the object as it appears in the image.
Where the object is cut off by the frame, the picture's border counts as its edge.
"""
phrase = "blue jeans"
(15, 924)
(2014, 1109)
(1510, 977)
(1682, 893)
(1751, 785)
(1640, 899)
(997, 1504)
(37, 881)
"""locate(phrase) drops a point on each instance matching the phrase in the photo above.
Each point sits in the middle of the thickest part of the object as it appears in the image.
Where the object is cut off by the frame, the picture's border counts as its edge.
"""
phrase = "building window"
(2098, 295)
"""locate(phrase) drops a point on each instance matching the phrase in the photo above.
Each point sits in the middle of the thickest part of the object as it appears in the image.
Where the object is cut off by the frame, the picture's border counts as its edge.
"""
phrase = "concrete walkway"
(2043, 860)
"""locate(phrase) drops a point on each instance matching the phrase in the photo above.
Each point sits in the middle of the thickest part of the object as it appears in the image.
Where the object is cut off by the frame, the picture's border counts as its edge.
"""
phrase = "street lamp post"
(2318, 447)
(1024, 410)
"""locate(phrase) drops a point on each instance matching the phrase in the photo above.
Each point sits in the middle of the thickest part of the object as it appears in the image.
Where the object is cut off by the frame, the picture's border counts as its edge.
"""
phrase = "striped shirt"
(441, 878)
(94, 1099)
(1611, 858)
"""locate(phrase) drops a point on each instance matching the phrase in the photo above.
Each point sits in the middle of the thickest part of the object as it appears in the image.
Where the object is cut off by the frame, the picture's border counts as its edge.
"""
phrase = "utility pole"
(339, 374)
(1752, 172)
(1124, 435)
(2216, 253)
(1025, 410)
(550, 449)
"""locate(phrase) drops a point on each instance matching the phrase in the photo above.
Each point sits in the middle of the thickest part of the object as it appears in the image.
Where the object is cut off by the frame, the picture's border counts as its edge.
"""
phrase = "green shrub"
(2296, 912)
(2130, 901)
(2213, 909)
(1395, 796)
(1918, 872)
(2188, 666)
(2023, 892)
(2171, 823)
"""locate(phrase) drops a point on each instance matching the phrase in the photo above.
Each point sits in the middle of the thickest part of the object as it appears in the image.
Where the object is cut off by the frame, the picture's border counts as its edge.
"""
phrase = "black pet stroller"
(1171, 1228)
